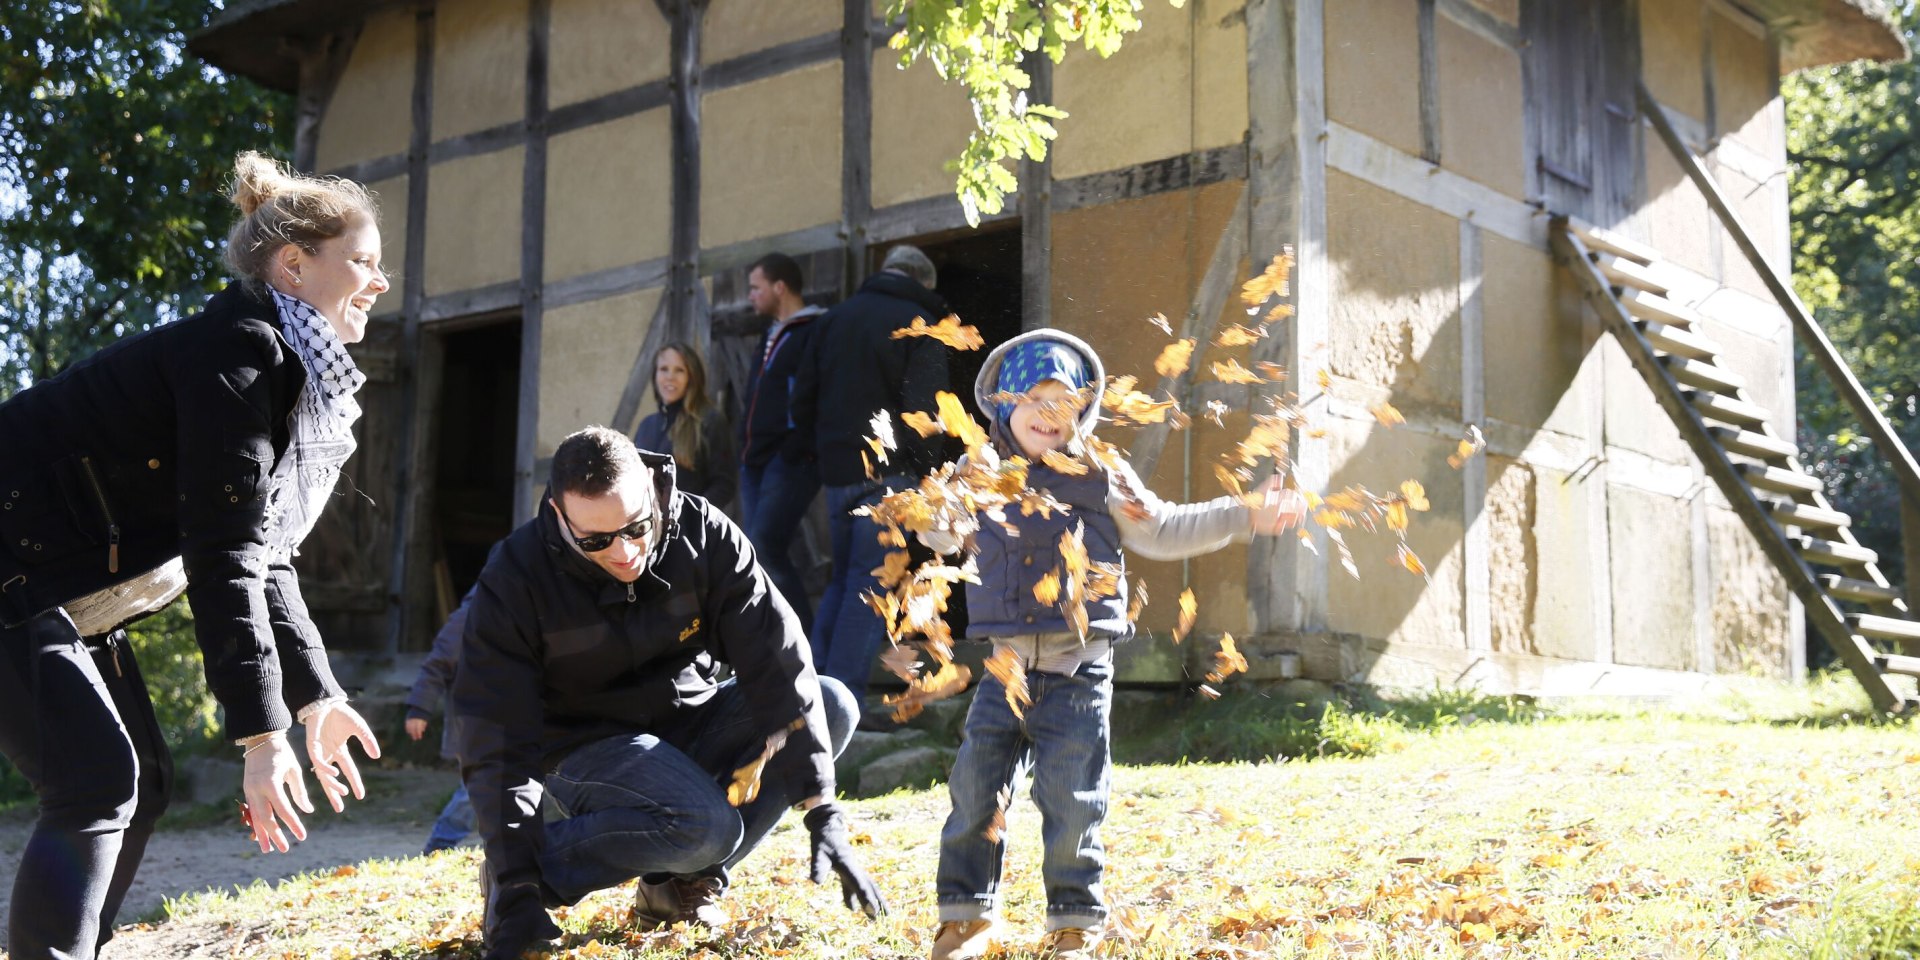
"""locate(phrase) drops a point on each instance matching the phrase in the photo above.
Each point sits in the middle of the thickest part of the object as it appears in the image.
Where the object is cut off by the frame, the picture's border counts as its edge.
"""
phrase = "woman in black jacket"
(688, 427)
(192, 458)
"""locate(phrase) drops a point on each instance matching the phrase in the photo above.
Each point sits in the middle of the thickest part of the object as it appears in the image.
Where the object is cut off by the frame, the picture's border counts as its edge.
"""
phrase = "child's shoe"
(962, 939)
(1070, 943)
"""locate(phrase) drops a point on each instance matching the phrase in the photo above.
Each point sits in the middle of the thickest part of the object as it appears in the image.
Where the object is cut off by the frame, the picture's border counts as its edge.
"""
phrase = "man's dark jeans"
(774, 498)
(76, 721)
(638, 805)
(847, 633)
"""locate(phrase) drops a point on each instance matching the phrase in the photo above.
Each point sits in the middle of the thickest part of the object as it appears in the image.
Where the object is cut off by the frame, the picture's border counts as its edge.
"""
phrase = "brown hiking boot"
(687, 900)
(962, 939)
(1070, 943)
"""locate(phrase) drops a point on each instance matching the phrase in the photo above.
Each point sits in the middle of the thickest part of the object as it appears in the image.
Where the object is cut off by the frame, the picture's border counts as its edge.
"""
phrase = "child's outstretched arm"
(1159, 530)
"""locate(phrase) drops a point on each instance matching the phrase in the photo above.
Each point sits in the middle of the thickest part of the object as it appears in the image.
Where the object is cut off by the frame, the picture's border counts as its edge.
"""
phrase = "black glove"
(518, 923)
(831, 849)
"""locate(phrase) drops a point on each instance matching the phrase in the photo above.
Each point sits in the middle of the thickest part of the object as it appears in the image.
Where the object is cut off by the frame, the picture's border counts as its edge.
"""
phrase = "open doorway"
(980, 277)
(474, 422)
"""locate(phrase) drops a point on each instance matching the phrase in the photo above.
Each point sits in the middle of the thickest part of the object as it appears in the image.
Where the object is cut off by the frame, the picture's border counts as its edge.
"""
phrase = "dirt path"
(393, 822)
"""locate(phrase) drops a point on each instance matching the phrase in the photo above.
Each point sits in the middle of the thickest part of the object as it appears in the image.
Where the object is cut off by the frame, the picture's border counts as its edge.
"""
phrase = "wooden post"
(1036, 215)
(321, 63)
(1910, 548)
(408, 539)
(1429, 84)
(1473, 409)
(533, 238)
(684, 86)
(856, 143)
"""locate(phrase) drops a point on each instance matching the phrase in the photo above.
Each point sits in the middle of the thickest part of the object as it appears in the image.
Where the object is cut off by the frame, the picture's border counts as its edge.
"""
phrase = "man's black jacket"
(558, 654)
(768, 420)
(167, 444)
(855, 369)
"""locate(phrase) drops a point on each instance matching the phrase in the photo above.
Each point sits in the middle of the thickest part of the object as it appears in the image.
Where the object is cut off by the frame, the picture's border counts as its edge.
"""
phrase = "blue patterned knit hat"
(1028, 364)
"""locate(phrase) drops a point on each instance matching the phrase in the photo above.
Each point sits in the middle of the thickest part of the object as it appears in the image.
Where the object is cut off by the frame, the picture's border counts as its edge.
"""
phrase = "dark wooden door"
(1582, 65)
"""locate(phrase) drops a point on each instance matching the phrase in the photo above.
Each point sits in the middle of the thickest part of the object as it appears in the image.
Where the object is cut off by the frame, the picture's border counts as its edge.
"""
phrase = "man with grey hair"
(854, 371)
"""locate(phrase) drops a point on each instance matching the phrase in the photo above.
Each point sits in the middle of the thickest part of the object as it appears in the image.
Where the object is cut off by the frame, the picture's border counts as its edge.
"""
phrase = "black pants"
(76, 720)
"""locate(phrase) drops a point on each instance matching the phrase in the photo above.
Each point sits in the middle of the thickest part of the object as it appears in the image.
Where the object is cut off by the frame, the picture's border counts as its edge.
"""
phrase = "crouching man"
(590, 673)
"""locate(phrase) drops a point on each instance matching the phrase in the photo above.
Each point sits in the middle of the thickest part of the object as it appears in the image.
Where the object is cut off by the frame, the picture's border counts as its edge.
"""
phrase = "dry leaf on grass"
(949, 331)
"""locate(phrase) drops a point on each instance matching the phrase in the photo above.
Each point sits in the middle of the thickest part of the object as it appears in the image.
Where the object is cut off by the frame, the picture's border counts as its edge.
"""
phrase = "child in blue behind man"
(455, 822)
(1063, 736)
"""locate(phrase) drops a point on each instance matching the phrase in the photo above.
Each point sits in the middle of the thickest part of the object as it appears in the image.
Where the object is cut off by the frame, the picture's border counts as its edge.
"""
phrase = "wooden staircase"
(1848, 601)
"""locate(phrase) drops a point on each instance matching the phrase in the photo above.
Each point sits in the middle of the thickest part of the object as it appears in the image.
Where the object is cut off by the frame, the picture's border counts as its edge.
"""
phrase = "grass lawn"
(1779, 829)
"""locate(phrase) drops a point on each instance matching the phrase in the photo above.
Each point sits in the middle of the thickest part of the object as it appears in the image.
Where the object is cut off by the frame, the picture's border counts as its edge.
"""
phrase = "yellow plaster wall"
(473, 221)
(919, 123)
(1744, 81)
(609, 195)
(1650, 540)
(587, 351)
(1540, 598)
(770, 156)
(1394, 285)
(1178, 85)
(1672, 42)
(371, 113)
(597, 47)
(1759, 206)
(1633, 418)
(736, 27)
(1532, 342)
(1112, 268)
(391, 195)
(479, 65)
(1387, 602)
(1676, 217)
(1482, 103)
(1373, 69)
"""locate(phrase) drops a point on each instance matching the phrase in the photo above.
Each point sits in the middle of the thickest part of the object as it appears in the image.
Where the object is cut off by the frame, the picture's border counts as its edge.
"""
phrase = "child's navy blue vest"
(1002, 604)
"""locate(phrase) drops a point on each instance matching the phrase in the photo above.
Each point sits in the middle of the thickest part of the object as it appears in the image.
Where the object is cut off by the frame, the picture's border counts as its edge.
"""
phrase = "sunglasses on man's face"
(639, 531)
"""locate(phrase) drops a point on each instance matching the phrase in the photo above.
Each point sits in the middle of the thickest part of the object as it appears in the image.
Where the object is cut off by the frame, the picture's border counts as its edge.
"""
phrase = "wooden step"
(1891, 663)
(1622, 272)
(1833, 553)
(1858, 591)
(1719, 406)
(1809, 516)
(1707, 376)
(1777, 479)
(1883, 628)
(1677, 341)
(1648, 306)
(1610, 242)
(1752, 444)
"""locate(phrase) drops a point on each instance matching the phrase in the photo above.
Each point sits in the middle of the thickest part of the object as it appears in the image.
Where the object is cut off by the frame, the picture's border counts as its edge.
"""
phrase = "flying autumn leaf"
(958, 424)
(1064, 463)
(1272, 282)
(1138, 601)
(950, 679)
(1174, 358)
(1189, 612)
(1469, 445)
(896, 568)
(1274, 372)
(1047, 591)
(1416, 495)
(1227, 661)
(921, 423)
(1005, 667)
(1217, 412)
(997, 827)
(1238, 335)
(949, 331)
(902, 661)
(1230, 371)
(1130, 404)
(1387, 414)
(1397, 517)
(1209, 692)
(1411, 562)
(1324, 379)
(1160, 320)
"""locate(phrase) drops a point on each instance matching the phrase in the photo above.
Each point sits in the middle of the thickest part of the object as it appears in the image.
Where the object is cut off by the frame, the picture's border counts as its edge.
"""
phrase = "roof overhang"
(260, 38)
(1816, 33)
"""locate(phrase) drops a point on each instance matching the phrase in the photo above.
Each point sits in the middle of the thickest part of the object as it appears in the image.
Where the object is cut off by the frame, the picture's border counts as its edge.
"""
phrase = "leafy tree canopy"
(982, 44)
(114, 149)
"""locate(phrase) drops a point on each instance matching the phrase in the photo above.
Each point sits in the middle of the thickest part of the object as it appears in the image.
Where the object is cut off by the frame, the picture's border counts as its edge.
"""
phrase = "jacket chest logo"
(692, 628)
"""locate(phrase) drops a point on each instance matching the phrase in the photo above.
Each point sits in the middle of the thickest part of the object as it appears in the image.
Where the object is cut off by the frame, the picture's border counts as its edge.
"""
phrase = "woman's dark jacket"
(558, 654)
(167, 444)
(717, 474)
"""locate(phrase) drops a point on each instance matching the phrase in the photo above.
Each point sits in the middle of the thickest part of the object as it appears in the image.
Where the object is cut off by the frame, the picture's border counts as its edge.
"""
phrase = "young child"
(455, 822)
(1063, 737)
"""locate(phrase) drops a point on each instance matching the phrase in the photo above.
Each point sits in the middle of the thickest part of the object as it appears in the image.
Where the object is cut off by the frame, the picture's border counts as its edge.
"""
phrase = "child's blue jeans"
(1063, 740)
(454, 825)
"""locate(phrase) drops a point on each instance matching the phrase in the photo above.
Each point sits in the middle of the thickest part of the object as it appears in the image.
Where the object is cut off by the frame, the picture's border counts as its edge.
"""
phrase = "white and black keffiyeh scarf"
(323, 420)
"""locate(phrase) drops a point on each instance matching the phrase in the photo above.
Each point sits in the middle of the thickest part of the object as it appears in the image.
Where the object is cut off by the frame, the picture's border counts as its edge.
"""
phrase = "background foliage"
(114, 149)
(1851, 137)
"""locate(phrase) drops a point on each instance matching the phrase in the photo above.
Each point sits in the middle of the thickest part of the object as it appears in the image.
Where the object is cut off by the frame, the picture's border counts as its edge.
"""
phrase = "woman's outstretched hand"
(329, 728)
(1280, 508)
(274, 788)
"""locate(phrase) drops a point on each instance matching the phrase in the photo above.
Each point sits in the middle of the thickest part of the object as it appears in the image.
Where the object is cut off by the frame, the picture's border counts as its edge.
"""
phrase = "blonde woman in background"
(192, 458)
(688, 427)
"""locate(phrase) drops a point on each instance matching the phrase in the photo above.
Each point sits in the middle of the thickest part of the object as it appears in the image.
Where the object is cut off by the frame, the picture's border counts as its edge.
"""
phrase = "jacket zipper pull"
(113, 554)
(114, 648)
(629, 593)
